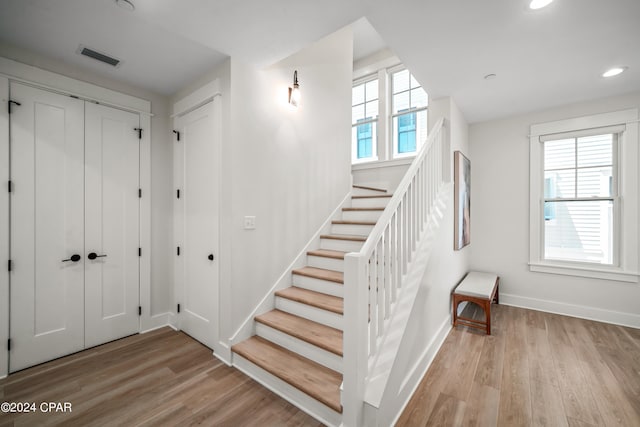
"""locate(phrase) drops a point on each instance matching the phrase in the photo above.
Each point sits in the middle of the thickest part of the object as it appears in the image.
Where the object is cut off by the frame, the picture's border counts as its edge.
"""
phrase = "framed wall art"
(462, 203)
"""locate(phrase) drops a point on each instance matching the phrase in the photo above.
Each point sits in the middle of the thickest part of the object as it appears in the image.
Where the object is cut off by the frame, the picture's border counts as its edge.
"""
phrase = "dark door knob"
(74, 258)
(211, 257)
(94, 255)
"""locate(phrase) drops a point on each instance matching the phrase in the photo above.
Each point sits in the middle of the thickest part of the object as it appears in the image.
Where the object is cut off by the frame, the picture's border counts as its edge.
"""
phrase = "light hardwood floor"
(536, 369)
(162, 378)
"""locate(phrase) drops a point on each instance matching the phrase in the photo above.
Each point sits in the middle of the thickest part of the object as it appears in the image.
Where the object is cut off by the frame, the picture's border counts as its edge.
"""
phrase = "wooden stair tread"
(322, 336)
(339, 221)
(377, 196)
(362, 209)
(314, 299)
(327, 253)
(350, 237)
(362, 187)
(319, 382)
(320, 273)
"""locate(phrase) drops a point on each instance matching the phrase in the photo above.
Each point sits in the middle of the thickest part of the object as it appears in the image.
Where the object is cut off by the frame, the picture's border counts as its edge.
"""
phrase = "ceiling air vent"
(86, 51)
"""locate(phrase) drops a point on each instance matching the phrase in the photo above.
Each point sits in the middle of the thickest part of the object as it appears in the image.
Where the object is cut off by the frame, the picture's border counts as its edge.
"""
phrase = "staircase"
(297, 348)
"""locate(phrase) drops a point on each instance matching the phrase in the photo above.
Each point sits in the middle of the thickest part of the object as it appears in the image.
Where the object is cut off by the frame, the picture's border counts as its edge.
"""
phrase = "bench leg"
(487, 314)
(455, 311)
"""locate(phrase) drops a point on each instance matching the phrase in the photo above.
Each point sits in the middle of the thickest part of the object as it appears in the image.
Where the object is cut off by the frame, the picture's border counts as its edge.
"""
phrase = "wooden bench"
(479, 288)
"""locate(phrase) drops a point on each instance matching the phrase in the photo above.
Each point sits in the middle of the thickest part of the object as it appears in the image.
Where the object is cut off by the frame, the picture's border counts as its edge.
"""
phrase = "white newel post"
(355, 353)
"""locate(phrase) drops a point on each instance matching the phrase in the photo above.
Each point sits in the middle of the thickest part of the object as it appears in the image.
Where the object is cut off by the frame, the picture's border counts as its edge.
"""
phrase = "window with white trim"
(364, 118)
(580, 199)
(584, 196)
(408, 114)
(388, 116)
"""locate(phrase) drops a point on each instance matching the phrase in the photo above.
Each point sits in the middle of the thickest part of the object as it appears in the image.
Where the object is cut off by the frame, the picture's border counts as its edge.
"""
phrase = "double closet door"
(74, 225)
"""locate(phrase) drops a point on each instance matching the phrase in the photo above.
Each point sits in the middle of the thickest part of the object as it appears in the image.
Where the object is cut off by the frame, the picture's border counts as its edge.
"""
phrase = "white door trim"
(54, 82)
(4, 224)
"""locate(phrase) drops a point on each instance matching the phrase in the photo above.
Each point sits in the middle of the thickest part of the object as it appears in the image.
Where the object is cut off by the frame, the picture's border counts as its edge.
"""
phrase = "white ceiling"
(542, 58)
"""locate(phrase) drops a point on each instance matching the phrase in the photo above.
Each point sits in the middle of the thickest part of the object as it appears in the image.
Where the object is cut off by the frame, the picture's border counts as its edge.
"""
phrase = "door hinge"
(178, 250)
(10, 186)
(10, 102)
(139, 310)
(9, 265)
(178, 308)
(9, 344)
(139, 251)
(139, 193)
(139, 132)
(178, 193)
(177, 135)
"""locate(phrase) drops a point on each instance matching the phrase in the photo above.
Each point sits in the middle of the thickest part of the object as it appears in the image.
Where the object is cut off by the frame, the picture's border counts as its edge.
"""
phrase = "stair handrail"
(373, 276)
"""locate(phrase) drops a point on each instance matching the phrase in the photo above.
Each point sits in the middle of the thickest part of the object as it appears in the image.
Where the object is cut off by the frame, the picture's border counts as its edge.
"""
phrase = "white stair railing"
(373, 277)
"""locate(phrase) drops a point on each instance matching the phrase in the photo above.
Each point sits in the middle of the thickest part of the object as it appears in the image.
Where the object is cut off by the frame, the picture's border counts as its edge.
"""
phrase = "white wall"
(500, 221)
(288, 168)
(430, 319)
(161, 167)
(385, 175)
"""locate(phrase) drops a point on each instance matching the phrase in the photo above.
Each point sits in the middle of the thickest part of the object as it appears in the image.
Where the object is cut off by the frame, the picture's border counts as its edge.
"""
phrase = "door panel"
(111, 224)
(47, 204)
(197, 223)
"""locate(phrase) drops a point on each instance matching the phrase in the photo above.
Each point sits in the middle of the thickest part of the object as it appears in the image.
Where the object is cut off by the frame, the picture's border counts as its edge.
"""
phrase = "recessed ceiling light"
(490, 77)
(539, 4)
(126, 4)
(614, 71)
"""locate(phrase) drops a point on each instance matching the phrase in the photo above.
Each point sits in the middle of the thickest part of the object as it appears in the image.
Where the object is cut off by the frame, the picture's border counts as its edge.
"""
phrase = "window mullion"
(575, 194)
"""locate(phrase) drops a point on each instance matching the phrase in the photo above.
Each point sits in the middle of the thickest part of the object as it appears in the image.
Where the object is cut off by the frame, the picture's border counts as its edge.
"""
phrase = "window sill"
(374, 164)
(590, 272)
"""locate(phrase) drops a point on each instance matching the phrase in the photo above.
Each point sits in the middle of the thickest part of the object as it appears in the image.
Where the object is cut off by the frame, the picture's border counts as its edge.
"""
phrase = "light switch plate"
(249, 222)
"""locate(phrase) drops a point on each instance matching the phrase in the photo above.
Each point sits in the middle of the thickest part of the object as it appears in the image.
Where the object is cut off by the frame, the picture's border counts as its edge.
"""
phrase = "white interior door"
(197, 177)
(112, 165)
(47, 223)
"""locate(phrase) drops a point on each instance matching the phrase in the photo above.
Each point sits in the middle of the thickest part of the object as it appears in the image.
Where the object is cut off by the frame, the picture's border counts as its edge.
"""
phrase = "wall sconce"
(294, 92)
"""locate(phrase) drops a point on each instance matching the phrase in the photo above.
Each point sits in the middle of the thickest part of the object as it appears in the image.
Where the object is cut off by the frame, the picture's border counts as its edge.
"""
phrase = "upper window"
(581, 171)
(408, 113)
(364, 115)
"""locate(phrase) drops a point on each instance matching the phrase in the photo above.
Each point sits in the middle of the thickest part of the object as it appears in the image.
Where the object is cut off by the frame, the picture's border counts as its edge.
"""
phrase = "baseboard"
(580, 311)
(414, 377)
(154, 322)
(224, 354)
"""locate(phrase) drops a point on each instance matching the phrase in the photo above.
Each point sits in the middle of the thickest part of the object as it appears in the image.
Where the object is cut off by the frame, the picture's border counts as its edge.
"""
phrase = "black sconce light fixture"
(294, 92)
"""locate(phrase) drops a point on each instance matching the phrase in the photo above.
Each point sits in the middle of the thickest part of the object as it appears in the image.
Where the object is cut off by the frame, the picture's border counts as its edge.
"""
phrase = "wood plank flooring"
(536, 369)
(162, 378)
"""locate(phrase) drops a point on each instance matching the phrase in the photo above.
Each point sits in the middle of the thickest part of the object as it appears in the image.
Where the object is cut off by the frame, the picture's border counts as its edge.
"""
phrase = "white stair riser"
(325, 317)
(326, 263)
(318, 285)
(361, 215)
(353, 229)
(363, 192)
(303, 348)
(283, 389)
(373, 202)
(341, 245)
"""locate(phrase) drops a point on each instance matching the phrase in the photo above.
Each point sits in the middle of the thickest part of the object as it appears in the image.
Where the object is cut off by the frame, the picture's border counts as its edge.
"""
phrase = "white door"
(112, 164)
(47, 224)
(197, 178)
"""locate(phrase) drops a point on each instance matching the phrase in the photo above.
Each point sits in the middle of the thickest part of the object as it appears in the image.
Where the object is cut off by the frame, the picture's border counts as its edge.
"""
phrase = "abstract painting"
(462, 203)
